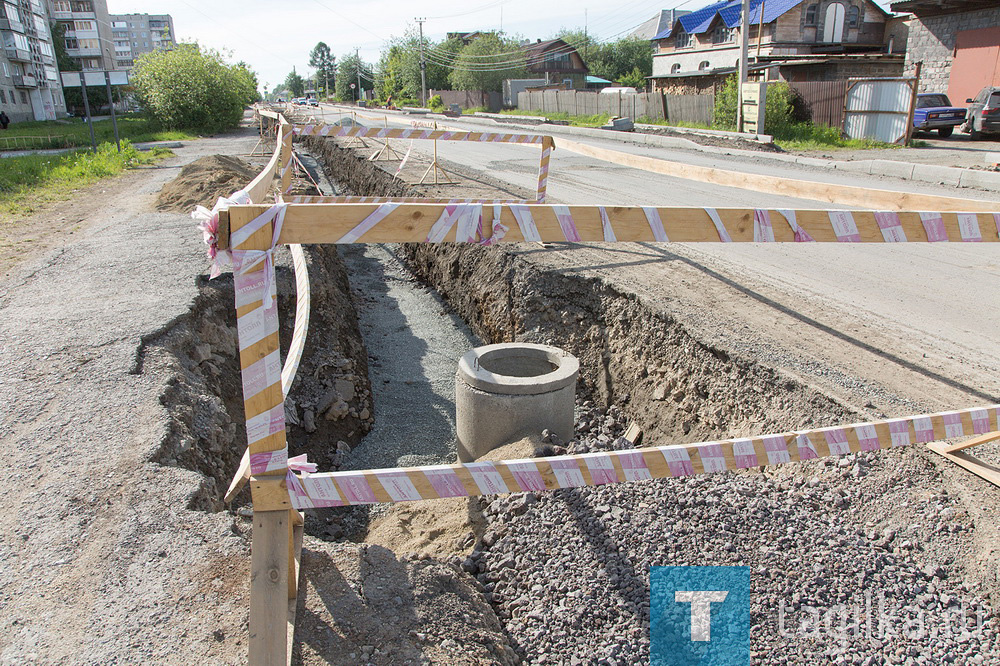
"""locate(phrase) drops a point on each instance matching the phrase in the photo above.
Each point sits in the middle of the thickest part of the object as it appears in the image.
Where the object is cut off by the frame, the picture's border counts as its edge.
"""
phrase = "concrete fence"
(654, 106)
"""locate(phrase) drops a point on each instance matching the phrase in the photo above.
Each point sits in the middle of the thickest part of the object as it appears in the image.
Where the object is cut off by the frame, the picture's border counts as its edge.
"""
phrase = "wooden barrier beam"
(412, 222)
(827, 192)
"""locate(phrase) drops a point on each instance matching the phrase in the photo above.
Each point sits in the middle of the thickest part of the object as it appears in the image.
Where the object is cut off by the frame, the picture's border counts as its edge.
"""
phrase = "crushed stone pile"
(203, 181)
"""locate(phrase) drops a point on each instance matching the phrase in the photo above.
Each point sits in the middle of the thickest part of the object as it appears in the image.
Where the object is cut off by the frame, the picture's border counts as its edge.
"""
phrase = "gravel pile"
(568, 572)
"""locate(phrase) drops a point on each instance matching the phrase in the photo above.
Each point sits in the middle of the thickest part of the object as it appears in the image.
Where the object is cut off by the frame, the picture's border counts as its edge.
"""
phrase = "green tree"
(243, 70)
(486, 62)
(615, 61)
(348, 73)
(325, 64)
(191, 87)
(294, 83)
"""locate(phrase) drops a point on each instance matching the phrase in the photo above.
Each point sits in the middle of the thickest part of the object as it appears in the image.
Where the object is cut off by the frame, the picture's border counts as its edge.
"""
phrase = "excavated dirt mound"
(203, 181)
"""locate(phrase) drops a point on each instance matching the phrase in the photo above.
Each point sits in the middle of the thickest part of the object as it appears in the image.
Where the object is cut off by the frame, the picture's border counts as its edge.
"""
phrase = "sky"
(273, 37)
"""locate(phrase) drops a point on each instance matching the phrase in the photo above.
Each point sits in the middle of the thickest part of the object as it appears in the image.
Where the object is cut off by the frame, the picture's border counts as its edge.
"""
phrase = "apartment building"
(29, 81)
(88, 31)
(135, 34)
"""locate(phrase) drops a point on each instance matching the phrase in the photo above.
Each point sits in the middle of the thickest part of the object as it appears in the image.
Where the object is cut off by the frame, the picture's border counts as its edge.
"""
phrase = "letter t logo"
(701, 611)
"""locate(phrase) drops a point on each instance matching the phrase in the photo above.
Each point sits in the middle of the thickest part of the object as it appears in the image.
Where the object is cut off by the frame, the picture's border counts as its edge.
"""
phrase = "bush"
(783, 109)
(435, 103)
(188, 87)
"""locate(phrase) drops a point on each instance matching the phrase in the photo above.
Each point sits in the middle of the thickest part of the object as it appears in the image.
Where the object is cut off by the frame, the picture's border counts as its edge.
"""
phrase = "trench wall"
(678, 388)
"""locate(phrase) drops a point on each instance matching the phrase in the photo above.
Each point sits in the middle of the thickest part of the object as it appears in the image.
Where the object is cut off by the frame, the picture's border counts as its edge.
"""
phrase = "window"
(12, 14)
(812, 14)
(682, 40)
(674, 68)
(61, 6)
(24, 97)
(703, 66)
(145, 34)
(71, 43)
(930, 101)
(833, 23)
(723, 35)
(85, 25)
(6, 72)
(853, 16)
(3, 96)
(51, 74)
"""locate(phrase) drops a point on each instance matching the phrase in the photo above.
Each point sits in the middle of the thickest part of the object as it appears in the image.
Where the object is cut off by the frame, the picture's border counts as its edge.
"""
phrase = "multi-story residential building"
(135, 34)
(29, 81)
(88, 31)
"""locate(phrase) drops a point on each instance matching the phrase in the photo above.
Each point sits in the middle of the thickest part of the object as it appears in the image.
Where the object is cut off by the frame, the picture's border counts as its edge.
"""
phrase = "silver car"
(984, 114)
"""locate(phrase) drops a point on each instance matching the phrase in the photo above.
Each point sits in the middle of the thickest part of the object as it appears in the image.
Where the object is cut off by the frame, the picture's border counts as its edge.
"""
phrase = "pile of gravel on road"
(568, 571)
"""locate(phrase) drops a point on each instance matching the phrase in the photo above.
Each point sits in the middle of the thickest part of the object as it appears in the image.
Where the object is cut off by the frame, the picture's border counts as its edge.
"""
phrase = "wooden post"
(269, 588)
(543, 169)
(913, 102)
(264, 409)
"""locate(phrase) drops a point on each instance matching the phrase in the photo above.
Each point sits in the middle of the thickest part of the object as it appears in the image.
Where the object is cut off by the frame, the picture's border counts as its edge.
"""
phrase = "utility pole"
(423, 65)
(744, 52)
(586, 41)
(357, 70)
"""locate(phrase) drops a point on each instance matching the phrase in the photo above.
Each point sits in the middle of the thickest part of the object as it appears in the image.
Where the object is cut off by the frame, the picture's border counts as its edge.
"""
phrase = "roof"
(730, 13)
(596, 79)
(660, 22)
(936, 7)
(538, 48)
(537, 63)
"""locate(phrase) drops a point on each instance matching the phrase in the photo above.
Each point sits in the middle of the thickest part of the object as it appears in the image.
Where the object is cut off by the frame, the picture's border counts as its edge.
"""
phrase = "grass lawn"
(31, 180)
(577, 121)
(802, 136)
(74, 132)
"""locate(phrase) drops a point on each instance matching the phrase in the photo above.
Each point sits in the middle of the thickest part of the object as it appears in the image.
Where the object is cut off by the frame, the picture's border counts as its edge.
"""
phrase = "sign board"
(754, 95)
(352, 86)
(72, 79)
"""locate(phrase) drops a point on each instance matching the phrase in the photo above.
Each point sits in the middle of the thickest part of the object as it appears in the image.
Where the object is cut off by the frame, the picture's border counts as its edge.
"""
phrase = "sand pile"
(203, 181)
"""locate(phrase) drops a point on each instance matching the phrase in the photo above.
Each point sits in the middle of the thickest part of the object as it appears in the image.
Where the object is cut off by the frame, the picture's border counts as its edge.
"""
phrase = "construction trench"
(563, 577)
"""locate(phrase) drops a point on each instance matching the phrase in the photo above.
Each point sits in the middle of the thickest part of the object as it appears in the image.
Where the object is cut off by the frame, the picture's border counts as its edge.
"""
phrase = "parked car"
(935, 112)
(313, 101)
(984, 113)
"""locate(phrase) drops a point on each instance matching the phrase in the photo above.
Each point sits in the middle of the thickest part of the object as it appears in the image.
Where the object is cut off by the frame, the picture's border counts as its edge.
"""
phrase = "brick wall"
(932, 41)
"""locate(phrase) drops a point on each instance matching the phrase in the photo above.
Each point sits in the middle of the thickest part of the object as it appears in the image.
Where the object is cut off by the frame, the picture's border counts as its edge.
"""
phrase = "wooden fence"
(470, 99)
(653, 106)
(825, 99)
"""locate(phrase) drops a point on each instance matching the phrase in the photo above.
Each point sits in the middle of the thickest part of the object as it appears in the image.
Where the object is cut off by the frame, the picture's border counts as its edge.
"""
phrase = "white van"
(619, 89)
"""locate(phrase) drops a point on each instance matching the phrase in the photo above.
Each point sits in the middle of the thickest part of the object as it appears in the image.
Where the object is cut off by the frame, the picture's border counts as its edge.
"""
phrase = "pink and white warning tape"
(594, 469)
(402, 133)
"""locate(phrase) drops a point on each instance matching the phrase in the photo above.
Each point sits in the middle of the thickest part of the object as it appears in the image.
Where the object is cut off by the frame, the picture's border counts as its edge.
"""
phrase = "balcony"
(24, 81)
(14, 53)
(7, 24)
(83, 53)
(74, 15)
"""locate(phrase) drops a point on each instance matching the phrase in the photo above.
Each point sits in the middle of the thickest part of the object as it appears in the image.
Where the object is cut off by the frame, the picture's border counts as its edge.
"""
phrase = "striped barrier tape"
(406, 484)
(328, 199)
(401, 133)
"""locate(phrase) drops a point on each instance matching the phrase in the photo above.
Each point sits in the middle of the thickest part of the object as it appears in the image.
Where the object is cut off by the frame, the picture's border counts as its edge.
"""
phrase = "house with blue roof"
(791, 40)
